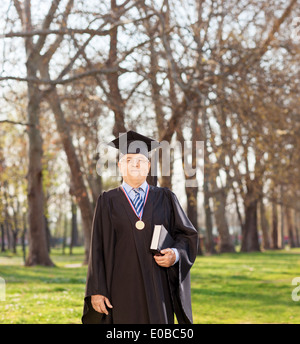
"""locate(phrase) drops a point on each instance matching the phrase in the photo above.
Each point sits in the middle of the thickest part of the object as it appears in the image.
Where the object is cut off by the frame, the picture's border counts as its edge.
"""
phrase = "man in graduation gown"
(126, 283)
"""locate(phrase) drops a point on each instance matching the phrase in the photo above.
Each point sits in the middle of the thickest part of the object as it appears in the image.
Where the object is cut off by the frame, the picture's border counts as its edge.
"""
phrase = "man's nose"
(135, 162)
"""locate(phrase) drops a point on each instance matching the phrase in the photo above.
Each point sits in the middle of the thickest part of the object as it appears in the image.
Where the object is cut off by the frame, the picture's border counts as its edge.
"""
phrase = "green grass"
(43, 295)
(250, 288)
(227, 288)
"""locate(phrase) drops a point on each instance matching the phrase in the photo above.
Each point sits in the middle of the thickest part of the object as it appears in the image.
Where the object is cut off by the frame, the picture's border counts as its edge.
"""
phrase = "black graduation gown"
(122, 267)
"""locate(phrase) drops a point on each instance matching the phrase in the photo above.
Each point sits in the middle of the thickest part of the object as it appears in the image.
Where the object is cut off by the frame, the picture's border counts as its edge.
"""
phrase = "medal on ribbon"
(139, 224)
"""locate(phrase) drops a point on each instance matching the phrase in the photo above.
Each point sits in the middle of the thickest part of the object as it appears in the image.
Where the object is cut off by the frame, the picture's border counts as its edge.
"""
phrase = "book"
(161, 239)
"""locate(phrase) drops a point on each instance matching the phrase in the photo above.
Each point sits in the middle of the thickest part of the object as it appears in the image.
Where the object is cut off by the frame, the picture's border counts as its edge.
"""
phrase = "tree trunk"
(74, 229)
(79, 187)
(274, 226)
(166, 178)
(192, 212)
(209, 242)
(250, 240)
(264, 227)
(165, 181)
(38, 251)
(296, 217)
(192, 204)
(282, 219)
(2, 238)
(48, 234)
(65, 233)
(23, 237)
(226, 244)
(290, 226)
(191, 189)
(7, 231)
(116, 102)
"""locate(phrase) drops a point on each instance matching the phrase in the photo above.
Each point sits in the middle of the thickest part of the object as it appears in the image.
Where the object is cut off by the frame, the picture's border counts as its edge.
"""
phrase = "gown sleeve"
(100, 264)
(186, 242)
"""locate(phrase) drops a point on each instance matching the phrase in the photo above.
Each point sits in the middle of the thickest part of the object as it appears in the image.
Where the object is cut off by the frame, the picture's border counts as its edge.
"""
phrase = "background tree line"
(224, 72)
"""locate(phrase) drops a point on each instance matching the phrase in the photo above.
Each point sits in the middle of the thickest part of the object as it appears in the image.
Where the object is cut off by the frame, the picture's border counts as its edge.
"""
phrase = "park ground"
(235, 288)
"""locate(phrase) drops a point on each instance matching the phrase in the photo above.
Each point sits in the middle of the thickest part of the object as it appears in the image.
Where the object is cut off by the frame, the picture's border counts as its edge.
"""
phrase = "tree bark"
(24, 233)
(38, 250)
(2, 238)
(250, 240)
(74, 229)
(65, 233)
(274, 226)
(297, 228)
(116, 102)
(264, 227)
(290, 226)
(209, 242)
(226, 244)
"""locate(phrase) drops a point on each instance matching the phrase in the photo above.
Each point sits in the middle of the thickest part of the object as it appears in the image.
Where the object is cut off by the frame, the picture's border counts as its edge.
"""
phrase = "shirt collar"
(128, 188)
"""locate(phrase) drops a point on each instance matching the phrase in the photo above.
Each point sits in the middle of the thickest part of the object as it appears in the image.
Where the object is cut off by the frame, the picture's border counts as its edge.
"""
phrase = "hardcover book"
(161, 239)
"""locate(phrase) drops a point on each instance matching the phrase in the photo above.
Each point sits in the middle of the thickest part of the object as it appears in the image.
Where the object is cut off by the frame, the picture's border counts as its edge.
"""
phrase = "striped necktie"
(138, 201)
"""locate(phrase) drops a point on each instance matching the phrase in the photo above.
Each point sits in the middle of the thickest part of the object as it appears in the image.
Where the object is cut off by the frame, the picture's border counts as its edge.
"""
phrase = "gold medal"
(139, 225)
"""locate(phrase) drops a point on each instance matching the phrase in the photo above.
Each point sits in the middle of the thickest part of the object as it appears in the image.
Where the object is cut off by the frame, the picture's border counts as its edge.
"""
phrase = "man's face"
(134, 166)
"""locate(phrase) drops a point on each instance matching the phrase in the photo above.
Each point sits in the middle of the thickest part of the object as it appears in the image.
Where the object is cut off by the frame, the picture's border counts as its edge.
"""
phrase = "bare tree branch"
(276, 26)
(46, 24)
(18, 123)
(54, 32)
(70, 31)
(19, 10)
(62, 81)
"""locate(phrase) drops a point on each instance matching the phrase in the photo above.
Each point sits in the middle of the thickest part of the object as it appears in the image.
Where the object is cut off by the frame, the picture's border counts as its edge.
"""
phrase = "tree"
(224, 72)
(40, 53)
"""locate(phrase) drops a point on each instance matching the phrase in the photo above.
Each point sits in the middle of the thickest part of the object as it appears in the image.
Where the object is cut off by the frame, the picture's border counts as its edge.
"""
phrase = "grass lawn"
(251, 288)
(227, 288)
(43, 295)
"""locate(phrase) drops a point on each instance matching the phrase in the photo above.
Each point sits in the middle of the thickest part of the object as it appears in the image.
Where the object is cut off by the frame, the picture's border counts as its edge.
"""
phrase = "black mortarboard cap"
(134, 143)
